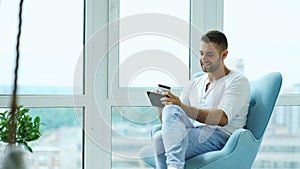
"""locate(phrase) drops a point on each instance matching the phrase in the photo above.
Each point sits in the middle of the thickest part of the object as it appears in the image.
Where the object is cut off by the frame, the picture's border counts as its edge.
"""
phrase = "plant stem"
(12, 127)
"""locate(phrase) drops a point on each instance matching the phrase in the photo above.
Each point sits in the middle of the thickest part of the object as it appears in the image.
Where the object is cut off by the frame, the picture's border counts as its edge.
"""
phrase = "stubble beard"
(213, 67)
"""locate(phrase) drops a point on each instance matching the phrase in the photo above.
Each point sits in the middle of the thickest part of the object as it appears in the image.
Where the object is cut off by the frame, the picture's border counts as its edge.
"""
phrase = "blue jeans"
(179, 139)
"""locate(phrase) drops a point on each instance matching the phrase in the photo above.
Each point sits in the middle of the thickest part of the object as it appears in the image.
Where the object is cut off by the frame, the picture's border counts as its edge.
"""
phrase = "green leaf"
(27, 147)
(37, 120)
(4, 113)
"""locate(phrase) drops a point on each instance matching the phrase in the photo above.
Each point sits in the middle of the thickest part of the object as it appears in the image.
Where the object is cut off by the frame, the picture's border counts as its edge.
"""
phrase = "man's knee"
(171, 111)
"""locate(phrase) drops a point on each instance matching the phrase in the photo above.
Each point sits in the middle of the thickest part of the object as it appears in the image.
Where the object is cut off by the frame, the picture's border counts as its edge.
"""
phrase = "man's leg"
(203, 139)
(175, 127)
(182, 140)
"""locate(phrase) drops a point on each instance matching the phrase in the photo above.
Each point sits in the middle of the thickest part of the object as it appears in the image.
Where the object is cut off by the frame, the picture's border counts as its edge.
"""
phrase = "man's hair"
(217, 37)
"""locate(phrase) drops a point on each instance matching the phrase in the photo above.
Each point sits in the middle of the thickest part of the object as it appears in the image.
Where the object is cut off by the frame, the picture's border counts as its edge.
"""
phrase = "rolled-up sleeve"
(236, 98)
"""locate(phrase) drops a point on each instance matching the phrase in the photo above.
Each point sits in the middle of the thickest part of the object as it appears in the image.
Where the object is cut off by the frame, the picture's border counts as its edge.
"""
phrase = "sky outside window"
(51, 43)
(264, 36)
(153, 41)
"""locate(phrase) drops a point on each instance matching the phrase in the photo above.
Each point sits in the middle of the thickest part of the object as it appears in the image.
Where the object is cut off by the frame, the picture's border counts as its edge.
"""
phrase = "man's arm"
(207, 116)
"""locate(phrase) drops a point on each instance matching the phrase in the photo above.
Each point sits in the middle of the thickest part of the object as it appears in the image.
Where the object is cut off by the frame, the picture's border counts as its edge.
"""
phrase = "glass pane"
(280, 147)
(60, 146)
(131, 128)
(51, 43)
(263, 37)
(152, 54)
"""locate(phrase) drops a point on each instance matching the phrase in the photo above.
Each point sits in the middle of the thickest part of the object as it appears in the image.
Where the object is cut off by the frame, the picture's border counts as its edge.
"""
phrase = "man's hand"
(170, 99)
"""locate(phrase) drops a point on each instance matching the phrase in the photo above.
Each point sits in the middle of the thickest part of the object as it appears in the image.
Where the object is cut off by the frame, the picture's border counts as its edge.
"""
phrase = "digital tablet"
(155, 99)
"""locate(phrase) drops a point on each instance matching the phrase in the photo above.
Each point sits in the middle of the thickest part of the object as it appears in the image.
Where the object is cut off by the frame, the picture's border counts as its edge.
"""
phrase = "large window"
(60, 145)
(280, 147)
(263, 37)
(51, 43)
(153, 49)
(131, 128)
(50, 71)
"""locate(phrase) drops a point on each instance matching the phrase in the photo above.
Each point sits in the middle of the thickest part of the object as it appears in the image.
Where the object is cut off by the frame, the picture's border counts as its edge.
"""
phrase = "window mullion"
(46, 100)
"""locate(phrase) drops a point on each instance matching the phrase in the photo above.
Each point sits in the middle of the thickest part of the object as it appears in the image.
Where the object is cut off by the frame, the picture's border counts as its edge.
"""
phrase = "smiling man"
(208, 111)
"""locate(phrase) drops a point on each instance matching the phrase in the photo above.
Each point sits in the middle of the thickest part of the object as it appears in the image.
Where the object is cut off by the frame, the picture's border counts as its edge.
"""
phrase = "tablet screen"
(155, 99)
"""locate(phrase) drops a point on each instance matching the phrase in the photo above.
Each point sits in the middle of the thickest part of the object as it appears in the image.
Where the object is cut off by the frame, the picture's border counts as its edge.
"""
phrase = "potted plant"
(27, 128)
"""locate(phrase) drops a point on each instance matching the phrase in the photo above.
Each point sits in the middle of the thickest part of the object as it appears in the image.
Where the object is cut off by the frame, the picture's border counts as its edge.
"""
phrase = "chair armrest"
(240, 135)
(146, 153)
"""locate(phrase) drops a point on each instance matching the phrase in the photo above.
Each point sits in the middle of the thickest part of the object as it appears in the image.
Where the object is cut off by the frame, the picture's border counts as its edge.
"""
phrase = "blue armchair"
(242, 147)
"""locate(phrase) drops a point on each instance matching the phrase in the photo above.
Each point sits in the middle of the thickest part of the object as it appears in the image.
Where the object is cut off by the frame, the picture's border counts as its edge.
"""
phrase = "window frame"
(97, 13)
(201, 18)
(210, 13)
(200, 10)
(57, 100)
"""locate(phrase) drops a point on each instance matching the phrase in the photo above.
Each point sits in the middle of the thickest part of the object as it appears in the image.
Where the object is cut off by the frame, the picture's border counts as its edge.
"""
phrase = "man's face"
(210, 57)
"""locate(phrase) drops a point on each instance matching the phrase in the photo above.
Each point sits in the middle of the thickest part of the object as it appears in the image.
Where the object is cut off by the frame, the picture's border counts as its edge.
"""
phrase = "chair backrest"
(264, 93)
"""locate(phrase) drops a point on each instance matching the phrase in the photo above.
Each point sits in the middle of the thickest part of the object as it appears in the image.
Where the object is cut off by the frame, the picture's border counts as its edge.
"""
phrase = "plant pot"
(14, 158)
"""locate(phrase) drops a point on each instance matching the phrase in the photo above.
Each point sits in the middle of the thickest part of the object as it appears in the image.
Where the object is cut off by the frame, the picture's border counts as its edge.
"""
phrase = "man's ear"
(224, 54)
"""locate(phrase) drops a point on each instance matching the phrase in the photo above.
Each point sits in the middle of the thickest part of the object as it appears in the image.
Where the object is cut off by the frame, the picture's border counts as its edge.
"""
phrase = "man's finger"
(168, 94)
(165, 99)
